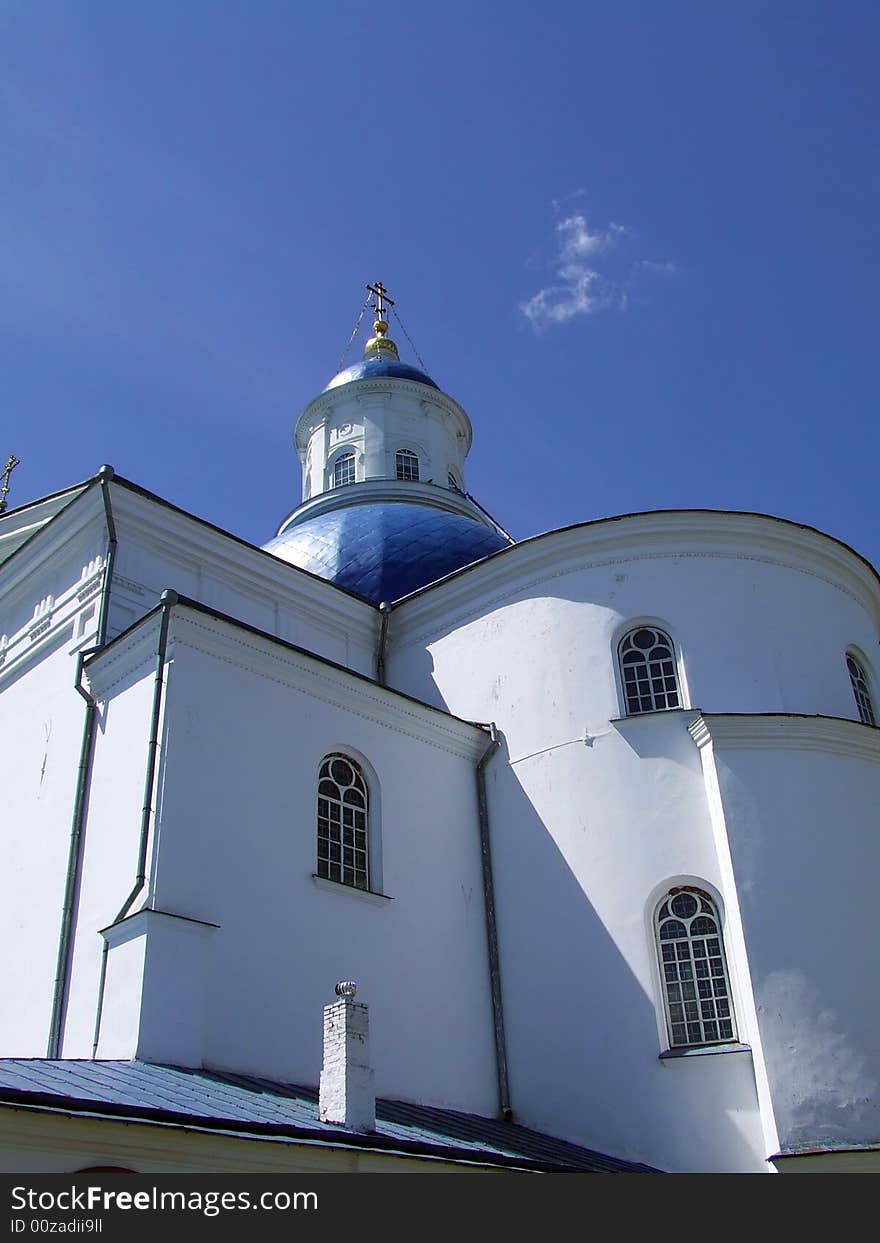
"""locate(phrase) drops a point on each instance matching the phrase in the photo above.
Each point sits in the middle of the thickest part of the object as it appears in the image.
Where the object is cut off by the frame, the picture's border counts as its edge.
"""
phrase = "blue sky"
(637, 241)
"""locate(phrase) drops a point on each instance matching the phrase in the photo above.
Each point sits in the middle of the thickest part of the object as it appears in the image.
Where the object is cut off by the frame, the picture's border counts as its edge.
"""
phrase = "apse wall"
(596, 814)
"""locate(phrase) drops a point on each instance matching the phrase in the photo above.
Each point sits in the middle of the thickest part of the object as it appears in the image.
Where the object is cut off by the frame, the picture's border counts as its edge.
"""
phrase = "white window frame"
(341, 825)
(621, 635)
(716, 983)
(336, 460)
(864, 696)
(406, 453)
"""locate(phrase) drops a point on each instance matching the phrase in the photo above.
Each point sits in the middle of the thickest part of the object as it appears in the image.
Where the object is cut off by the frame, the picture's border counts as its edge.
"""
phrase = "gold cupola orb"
(380, 345)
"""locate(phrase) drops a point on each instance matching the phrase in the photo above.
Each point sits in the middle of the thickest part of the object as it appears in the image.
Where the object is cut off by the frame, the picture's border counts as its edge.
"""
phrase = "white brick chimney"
(346, 1096)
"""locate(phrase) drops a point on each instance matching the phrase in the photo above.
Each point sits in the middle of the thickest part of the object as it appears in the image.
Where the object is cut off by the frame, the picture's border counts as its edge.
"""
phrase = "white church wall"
(247, 724)
(48, 612)
(41, 723)
(585, 840)
(151, 954)
(123, 684)
(593, 817)
(117, 1033)
(800, 801)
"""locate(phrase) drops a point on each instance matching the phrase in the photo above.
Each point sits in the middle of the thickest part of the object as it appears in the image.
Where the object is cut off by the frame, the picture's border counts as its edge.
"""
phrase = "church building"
(397, 844)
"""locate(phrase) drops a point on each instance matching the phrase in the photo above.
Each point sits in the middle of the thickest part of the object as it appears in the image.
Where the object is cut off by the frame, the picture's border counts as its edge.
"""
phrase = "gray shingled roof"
(245, 1105)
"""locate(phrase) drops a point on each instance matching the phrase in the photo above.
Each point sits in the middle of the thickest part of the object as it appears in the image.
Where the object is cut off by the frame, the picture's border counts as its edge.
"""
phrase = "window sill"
(336, 886)
(653, 715)
(703, 1050)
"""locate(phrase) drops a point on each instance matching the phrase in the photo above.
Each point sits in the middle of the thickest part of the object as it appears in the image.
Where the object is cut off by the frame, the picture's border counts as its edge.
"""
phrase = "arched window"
(647, 670)
(343, 470)
(343, 810)
(696, 992)
(407, 464)
(861, 690)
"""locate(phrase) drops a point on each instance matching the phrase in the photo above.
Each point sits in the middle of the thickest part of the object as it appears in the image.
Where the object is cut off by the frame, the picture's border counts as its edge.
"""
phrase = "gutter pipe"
(492, 927)
(384, 617)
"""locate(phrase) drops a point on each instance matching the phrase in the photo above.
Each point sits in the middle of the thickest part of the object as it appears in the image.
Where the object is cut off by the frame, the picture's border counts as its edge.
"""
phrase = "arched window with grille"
(343, 470)
(861, 689)
(343, 818)
(648, 671)
(407, 464)
(696, 988)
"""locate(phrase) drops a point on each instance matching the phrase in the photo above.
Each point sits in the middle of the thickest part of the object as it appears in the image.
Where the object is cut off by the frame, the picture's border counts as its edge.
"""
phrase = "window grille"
(407, 464)
(647, 670)
(343, 809)
(343, 470)
(859, 680)
(696, 991)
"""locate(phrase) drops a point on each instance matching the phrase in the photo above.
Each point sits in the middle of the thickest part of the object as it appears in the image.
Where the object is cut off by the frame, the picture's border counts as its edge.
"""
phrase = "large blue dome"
(373, 368)
(385, 549)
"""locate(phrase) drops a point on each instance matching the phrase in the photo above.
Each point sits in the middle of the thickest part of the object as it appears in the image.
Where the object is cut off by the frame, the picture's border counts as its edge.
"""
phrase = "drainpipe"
(492, 927)
(384, 616)
(74, 856)
(167, 600)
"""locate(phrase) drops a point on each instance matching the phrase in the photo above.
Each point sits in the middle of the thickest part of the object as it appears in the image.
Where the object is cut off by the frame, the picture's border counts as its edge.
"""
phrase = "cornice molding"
(54, 618)
(232, 642)
(334, 686)
(625, 723)
(108, 667)
(370, 491)
(18, 525)
(244, 567)
(664, 535)
(786, 732)
(49, 541)
(139, 922)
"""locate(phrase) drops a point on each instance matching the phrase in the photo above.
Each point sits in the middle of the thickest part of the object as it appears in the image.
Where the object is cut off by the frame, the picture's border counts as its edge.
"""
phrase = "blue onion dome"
(381, 357)
(374, 368)
(383, 550)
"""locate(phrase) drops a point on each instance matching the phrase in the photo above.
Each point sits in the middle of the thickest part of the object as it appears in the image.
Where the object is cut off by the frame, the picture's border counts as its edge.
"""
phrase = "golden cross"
(382, 295)
(10, 466)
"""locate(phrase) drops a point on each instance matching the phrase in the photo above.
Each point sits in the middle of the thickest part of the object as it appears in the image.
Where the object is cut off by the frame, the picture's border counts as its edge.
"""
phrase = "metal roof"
(247, 1105)
(380, 368)
(383, 550)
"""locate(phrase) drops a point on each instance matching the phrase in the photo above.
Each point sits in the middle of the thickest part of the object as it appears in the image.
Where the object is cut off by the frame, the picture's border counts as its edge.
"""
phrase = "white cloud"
(580, 286)
(664, 268)
(582, 292)
(576, 240)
